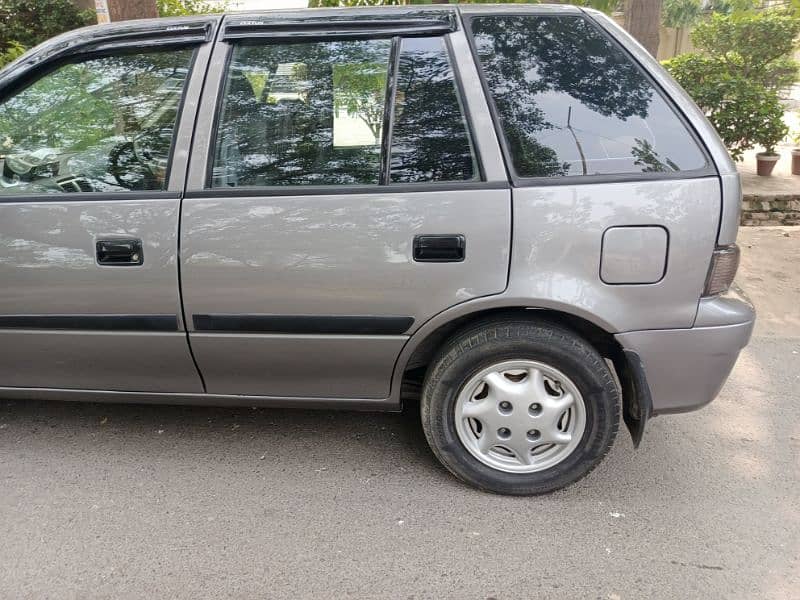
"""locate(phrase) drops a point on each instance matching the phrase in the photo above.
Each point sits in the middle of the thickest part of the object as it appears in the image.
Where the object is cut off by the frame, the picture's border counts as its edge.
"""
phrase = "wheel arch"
(425, 342)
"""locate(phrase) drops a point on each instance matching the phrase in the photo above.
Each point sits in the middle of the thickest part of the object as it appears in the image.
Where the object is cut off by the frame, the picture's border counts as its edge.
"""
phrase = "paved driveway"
(101, 501)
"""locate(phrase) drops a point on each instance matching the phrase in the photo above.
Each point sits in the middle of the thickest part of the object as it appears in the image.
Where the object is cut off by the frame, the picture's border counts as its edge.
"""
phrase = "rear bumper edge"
(686, 368)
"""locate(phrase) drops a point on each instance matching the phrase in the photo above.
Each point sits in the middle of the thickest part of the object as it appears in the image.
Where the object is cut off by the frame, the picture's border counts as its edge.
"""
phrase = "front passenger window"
(101, 125)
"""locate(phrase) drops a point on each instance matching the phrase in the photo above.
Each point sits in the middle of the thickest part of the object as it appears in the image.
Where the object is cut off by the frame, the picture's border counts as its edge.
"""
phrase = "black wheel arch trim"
(636, 396)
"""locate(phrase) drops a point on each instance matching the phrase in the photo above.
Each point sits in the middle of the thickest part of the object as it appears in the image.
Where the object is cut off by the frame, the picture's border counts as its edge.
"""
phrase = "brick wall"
(771, 210)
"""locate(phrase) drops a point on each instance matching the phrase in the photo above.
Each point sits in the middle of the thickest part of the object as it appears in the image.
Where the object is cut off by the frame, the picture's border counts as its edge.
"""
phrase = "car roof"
(414, 19)
(176, 27)
(381, 16)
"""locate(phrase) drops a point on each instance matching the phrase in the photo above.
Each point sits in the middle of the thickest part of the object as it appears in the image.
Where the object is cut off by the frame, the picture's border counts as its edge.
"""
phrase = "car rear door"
(93, 163)
(338, 197)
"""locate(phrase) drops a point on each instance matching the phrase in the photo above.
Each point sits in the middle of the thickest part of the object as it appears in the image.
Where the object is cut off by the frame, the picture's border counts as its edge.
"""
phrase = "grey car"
(512, 212)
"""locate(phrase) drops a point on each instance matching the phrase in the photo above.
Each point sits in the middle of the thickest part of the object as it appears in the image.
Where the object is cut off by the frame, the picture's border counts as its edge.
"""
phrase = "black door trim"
(91, 322)
(302, 324)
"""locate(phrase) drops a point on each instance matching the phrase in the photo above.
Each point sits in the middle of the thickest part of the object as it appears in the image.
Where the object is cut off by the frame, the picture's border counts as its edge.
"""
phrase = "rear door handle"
(119, 252)
(440, 248)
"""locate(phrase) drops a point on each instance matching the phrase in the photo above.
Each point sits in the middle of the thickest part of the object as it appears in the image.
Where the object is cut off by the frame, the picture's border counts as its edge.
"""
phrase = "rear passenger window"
(314, 114)
(303, 114)
(430, 141)
(570, 102)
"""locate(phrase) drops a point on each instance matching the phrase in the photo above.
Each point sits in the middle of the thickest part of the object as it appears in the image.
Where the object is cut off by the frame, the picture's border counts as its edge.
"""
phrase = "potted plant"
(766, 161)
(769, 133)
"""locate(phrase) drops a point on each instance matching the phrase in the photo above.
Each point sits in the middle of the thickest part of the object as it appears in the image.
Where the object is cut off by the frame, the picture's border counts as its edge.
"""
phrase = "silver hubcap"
(520, 416)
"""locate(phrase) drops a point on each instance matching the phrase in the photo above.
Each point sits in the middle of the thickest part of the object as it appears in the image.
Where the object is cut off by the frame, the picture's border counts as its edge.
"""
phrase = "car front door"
(338, 198)
(89, 211)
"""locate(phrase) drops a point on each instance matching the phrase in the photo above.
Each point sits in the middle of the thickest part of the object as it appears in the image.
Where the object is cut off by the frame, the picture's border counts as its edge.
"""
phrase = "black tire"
(490, 342)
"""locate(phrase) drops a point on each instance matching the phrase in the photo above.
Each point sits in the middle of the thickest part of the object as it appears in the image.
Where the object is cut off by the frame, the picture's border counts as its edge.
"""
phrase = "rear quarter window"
(571, 102)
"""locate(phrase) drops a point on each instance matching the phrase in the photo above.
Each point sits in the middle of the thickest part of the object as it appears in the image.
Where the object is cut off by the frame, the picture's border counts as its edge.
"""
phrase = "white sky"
(266, 4)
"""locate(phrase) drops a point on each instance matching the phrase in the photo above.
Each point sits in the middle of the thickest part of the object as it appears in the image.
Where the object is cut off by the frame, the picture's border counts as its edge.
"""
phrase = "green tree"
(738, 79)
(738, 7)
(523, 60)
(180, 8)
(647, 158)
(12, 51)
(756, 45)
(740, 109)
(359, 89)
(607, 6)
(475, 2)
(681, 13)
(323, 3)
(30, 22)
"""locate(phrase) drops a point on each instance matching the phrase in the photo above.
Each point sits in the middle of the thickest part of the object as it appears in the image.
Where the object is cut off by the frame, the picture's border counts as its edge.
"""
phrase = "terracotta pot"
(765, 163)
(796, 161)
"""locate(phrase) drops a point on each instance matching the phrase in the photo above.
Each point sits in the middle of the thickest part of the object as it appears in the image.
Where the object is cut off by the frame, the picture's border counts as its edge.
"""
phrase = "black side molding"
(91, 322)
(303, 324)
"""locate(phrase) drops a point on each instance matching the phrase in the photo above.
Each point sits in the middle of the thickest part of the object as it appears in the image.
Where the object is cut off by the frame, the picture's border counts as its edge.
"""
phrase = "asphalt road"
(106, 501)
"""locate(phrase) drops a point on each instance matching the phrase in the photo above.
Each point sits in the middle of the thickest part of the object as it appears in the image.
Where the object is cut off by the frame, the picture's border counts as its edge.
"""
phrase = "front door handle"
(119, 252)
(439, 248)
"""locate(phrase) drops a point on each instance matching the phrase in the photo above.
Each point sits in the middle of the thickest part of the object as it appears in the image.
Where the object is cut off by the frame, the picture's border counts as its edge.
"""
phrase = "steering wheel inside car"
(129, 170)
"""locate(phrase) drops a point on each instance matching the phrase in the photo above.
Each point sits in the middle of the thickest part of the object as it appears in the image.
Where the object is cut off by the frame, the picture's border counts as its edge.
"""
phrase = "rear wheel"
(519, 407)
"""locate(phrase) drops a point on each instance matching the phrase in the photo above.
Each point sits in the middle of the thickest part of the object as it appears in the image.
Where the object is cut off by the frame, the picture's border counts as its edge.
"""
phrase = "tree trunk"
(122, 10)
(643, 21)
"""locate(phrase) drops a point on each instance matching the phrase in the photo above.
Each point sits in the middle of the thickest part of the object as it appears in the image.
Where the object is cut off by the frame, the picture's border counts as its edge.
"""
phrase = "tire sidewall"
(599, 401)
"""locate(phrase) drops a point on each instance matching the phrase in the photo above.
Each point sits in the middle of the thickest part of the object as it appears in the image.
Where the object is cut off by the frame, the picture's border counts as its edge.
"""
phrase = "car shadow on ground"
(294, 435)
(686, 458)
(355, 445)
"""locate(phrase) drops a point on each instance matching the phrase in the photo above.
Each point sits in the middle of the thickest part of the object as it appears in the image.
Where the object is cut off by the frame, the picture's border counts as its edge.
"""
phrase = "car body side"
(684, 345)
(672, 349)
